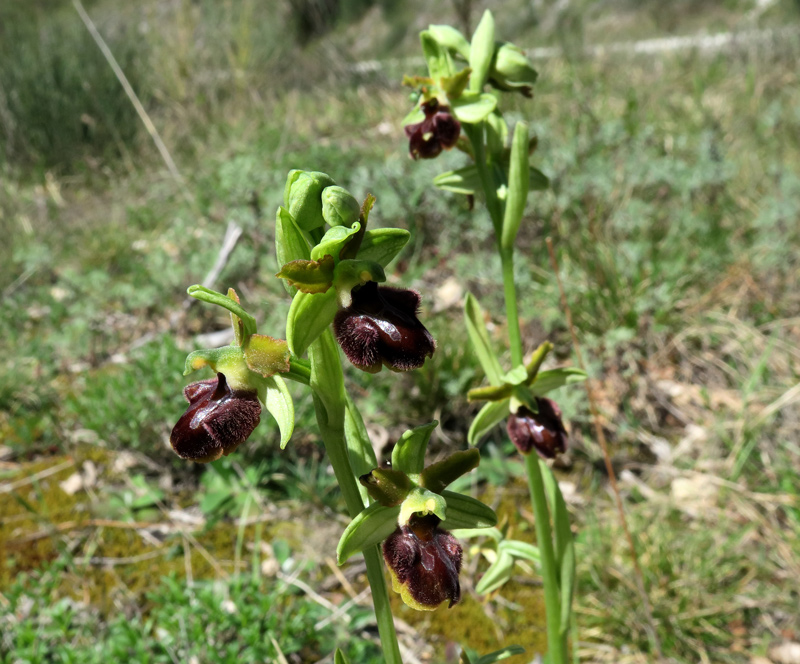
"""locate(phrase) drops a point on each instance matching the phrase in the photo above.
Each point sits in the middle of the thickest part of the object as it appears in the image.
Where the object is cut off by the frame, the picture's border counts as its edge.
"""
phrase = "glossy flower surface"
(381, 327)
(425, 561)
(543, 431)
(439, 130)
(217, 420)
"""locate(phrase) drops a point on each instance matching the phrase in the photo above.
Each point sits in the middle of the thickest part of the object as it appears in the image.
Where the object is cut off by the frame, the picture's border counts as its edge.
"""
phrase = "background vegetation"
(674, 211)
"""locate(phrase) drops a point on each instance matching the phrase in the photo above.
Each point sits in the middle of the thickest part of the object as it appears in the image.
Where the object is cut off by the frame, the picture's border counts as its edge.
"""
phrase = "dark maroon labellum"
(425, 562)
(439, 130)
(543, 431)
(381, 327)
(216, 422)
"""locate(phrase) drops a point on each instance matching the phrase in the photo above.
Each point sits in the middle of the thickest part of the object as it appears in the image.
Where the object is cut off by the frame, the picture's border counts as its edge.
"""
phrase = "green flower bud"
(512, 70)
(339, 207)
(303, 197)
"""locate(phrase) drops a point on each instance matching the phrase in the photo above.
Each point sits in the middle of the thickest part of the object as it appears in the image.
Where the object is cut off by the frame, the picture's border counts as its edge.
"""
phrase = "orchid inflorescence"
(333, 266)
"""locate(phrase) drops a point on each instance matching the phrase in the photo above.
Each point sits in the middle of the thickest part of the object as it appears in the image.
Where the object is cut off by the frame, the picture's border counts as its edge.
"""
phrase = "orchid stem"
(330, 402)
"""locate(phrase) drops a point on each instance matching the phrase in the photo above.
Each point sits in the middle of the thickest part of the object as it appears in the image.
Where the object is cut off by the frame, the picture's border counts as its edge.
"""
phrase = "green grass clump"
(220, 621)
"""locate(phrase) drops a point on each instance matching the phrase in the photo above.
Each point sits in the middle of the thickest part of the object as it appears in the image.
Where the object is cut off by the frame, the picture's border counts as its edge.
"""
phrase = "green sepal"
(481, 51)
(290, 243)
(278, 401)
(334, 241)
(421, 501)
(383, 244)
(518, 186)
(460, 181)
(414, 116)
(479, 336)
(340, 658)
(499, 655)
(204, 294)
(309, 316)
(450, 38)
(438, 58)
(529, 552)
(228, 360)
(547, 381)
(216, 359)
(352, 273)
(236, 322)
(497, 575)
(303, 197)
(266, 355)
(454, 86)
(386, 486)
(309, 276)
(339, 206)
(370, 527)
(467, 512)
(487, 418)
(408, 454)
(438, 475)
(512, 70)
(473, 107)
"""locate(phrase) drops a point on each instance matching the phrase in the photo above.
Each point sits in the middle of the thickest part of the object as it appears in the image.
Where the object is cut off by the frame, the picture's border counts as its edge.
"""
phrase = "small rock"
(785, 653)
(448, 295)
(694, 495)
(72, 484)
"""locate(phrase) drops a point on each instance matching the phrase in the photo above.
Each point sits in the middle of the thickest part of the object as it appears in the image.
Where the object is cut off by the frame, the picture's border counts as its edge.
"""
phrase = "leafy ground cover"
(674, 211)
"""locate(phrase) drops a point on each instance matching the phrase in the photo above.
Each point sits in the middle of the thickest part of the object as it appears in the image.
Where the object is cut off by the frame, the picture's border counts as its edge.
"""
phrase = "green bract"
(251, 363)
(519, 386)
(407, 489)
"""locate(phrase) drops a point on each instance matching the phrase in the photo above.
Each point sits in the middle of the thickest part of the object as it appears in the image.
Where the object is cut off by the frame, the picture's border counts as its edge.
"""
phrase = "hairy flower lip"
(216, 422)
(381, 328)
(425, 562)
(543, 431)
(438, 131)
